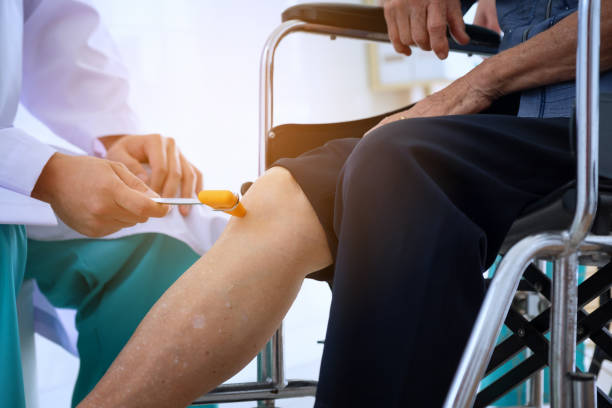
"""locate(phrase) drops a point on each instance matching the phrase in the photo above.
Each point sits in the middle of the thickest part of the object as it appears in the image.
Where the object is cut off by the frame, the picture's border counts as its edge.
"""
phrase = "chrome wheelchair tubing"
(271, 383)
(497, 302)
(266, 79)
(498, 299)
(587, 119)
(565, 284)
(563, 246)
(255, 391)
(271, 361)
(536, 381)
(583, 390)
(563, 326)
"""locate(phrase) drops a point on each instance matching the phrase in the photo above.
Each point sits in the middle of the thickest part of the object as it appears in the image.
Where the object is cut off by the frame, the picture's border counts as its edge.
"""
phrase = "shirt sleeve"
(23, 158)
(73, 78)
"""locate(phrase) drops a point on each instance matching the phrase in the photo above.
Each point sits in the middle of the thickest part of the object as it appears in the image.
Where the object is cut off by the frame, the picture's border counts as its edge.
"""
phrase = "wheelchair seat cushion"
(556, 211)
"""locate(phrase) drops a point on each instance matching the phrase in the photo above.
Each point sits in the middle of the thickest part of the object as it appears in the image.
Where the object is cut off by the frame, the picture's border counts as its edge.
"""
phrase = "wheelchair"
(585, 205)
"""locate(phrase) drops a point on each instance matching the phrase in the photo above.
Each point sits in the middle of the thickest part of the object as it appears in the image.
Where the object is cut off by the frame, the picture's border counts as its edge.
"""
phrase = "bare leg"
(222, 311)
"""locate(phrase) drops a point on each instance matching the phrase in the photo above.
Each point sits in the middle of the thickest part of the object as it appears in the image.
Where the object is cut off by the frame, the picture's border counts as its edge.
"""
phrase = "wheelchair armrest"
(372, 19)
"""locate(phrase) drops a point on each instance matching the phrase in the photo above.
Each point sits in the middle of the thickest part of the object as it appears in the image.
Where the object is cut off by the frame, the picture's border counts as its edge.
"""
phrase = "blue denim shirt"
(520, 20)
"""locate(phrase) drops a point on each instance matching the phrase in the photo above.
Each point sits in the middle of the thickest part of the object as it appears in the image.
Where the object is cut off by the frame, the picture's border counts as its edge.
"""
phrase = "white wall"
(195, 74)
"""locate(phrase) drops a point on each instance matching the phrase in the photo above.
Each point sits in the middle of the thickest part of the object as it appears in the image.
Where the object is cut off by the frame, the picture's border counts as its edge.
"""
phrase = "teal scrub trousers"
(112, 284)
(12, 267)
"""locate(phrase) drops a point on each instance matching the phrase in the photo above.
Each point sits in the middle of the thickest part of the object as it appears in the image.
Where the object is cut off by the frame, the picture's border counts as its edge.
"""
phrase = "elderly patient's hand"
(423, 23)
(471, 93)
(486, 15)
(170, 170)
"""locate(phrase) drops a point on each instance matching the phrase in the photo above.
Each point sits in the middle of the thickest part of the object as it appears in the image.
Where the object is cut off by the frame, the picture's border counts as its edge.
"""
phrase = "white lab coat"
(60, 63)
(68, 74)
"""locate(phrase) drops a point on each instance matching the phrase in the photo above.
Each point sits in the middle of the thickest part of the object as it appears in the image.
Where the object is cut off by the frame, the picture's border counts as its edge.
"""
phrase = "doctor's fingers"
(175, 170)
(189, 182)
(134, 206)
(155, 149)
(129, 179)
(133, 165)
(199, 180)
(122, 216)
(133, 195)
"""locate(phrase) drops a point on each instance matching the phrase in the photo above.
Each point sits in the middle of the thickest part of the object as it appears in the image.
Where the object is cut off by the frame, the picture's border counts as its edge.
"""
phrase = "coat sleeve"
(22, 159)
(73, 80)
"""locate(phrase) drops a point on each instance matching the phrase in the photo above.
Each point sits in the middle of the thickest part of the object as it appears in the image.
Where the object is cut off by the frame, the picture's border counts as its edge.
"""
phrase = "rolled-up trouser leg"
(421, 209)
(12, 268)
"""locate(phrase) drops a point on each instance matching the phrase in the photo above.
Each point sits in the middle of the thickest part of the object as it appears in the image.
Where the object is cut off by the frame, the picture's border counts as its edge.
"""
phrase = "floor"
(304, 326)
(60, 372)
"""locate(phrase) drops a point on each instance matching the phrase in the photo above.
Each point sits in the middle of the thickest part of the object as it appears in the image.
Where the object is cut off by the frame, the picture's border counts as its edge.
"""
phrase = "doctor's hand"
(171, 172)
(423, 23)
(95, 197)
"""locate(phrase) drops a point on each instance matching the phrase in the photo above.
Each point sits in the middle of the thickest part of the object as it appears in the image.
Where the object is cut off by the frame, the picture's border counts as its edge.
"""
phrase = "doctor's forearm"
(547, 58)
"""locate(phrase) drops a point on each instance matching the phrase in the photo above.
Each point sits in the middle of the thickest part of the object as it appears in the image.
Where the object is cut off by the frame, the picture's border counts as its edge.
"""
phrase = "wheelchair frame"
(568, 389)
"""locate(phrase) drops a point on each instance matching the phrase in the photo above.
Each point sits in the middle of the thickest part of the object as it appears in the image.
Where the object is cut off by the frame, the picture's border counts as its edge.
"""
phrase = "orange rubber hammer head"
(222, 200)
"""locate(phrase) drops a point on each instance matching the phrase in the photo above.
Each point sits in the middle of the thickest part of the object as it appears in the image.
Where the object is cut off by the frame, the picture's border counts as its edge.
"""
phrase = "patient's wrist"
(490, 79)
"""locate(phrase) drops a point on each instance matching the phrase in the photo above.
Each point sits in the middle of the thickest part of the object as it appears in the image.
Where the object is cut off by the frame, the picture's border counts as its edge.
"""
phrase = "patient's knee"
(275, 194)
(279, 213)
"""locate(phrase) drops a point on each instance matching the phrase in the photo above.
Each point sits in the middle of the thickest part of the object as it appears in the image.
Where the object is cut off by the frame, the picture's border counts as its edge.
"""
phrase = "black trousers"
(414, 213)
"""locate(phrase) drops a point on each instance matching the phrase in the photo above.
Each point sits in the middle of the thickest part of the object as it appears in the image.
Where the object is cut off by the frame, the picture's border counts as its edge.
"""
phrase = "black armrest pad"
(371, 18)
(352, 16)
